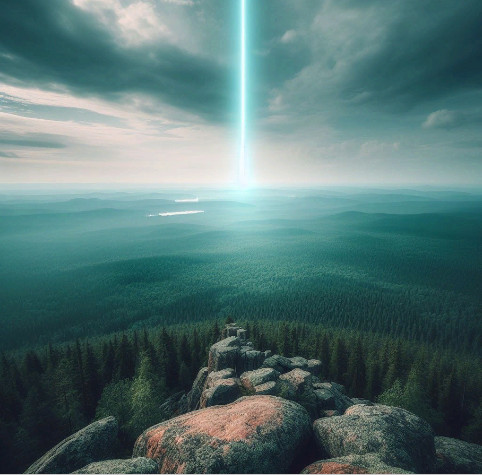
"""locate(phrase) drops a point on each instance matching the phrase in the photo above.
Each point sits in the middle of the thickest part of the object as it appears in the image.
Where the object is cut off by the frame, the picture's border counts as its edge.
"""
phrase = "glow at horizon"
(242, 154)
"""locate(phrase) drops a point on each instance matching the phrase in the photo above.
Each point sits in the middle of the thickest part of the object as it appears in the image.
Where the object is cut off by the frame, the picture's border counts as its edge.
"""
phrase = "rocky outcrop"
(194, 396)
(223, 391)
(134, 465)
(258, 434)
(251, 412)
(400, 438)
(284, 365)
(369, 463)
(457, 456)
(356, 400)
(251, 379)
(320, 399)
(173, 404)
(93, 443)
(224, 354)
(331, 397)
(270, 388)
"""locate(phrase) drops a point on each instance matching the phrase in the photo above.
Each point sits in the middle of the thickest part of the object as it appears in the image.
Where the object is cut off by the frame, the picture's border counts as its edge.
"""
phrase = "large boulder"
(325, 399)
(250, 379)
(401, 438)
(223, 391)
(224, 354)
(215, 376)
(299, 387)
(135, 465)
(279, 363)
(250, 359)
(356, 400)
(314, 367)
(257, 434)
(457, 456)
(331, 396)
(231, 329)
(299, 379)
(93, 443)
(369, 463)
(270, 388)
(283, 364)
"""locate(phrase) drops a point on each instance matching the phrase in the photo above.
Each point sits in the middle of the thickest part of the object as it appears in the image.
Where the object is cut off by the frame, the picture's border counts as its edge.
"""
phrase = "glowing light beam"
(242, 154)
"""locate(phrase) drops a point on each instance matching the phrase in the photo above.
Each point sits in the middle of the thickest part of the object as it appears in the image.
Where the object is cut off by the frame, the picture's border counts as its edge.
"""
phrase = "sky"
(147, 91)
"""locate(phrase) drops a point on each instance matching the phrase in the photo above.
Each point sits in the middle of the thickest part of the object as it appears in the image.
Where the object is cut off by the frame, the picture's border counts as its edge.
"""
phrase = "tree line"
(48, 393)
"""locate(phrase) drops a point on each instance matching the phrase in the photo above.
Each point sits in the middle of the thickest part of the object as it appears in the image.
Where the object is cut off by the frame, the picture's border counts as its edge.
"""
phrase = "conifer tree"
(92, 383)
(325, 355)
(108, 363)
(356, 373)
(338, 361)
(125, 358)
(145, 400)
(394, 366)
(168, 359)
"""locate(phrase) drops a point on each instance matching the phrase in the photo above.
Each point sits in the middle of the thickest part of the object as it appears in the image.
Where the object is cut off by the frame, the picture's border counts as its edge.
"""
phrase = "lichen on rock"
(399, 437)
(258, 434)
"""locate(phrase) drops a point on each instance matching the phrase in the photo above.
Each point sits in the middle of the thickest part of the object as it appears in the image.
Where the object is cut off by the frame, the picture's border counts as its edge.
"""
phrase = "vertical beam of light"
(242, 157)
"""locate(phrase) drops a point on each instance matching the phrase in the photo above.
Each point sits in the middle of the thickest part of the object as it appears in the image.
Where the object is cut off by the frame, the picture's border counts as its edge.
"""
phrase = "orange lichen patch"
(333, 467)
(234, 422)
(172, 466)
(154, 438)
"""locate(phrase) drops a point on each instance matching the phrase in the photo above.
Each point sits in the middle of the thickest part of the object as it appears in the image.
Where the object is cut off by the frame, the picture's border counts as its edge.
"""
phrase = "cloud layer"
(340, 91)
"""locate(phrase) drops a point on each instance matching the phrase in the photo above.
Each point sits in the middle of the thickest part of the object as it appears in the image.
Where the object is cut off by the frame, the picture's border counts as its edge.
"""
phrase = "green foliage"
(43, 395)
(412, 397)
(393, 396)
(89, 285)
(146, 397)
(88, 268)
(473, 431)
(116, 401)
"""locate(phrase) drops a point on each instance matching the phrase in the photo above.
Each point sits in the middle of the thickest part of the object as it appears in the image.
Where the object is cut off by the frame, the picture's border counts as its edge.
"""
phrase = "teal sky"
(341, 91)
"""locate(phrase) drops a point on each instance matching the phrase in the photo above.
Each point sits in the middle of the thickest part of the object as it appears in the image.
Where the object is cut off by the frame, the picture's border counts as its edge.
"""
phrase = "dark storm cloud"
(395, 54)
(60, 44)
(31, 140)
(431, 48)
(426, 50)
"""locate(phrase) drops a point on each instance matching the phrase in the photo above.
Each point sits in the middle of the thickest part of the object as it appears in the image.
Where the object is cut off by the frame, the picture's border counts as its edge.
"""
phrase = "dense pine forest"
(48, 393)
(406, 265)
(109, 308)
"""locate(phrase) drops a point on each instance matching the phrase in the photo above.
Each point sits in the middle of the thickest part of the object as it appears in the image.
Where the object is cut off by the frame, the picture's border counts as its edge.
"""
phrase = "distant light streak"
(242, 157)
(175, 213)
(188, 200)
